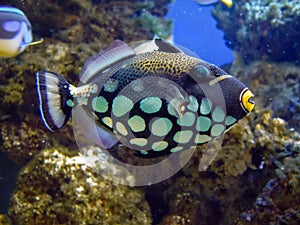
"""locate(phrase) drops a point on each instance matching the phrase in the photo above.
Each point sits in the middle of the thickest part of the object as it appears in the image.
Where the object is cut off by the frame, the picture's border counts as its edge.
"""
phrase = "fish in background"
(15, 32)
(228, 3)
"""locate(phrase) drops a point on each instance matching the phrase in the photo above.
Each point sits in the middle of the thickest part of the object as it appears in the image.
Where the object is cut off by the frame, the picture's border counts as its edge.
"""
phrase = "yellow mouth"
(247, 100)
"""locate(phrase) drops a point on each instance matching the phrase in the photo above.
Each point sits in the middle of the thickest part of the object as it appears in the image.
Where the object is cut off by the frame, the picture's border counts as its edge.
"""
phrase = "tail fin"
(55, 99)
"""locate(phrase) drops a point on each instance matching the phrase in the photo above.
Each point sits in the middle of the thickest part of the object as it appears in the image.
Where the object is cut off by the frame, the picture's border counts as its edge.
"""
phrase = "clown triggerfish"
(15, 32)
(155, 98)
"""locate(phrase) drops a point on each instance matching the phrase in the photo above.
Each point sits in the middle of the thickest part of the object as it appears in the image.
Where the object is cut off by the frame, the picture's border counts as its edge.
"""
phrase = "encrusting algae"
(22, 142)
(57, 187)
(262, 29)
(276, 86)
(259, 150)
(4, 220)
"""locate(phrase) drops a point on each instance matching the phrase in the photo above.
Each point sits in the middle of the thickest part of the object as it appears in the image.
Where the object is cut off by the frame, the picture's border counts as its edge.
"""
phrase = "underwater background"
(255, 178)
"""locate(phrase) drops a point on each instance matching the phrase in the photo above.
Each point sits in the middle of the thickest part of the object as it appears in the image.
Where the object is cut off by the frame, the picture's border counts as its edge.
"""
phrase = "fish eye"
(202, 70)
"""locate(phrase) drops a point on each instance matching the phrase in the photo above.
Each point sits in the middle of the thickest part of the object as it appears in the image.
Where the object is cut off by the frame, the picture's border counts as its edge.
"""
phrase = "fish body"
(153, 98)
(228, 3)
(15, 32)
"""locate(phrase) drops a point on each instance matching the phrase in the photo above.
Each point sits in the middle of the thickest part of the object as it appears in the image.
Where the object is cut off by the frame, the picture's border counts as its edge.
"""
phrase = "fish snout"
(247, 100)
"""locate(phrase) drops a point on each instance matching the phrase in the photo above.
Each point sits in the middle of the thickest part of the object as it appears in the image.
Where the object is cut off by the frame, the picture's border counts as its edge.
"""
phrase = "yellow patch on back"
(164, 63)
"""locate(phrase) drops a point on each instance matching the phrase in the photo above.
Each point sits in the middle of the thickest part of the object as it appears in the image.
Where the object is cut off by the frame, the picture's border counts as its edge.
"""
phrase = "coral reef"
(57, 187)
(4, 220)
(276, 86)
(22, 142)
(258, 150)
(278, 203)
(262, 29)
(162, 28)
(254, 178)
(87, 26)
(72, 31)
(95, 21)
(13, 92)
(189, 204)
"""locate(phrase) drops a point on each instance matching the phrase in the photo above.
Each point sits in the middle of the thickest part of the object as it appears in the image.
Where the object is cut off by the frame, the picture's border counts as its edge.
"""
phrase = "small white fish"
(228, 3)
(15, 32)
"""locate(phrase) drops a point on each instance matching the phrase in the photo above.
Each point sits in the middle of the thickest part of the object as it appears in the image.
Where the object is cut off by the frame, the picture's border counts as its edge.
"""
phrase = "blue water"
(195, 29)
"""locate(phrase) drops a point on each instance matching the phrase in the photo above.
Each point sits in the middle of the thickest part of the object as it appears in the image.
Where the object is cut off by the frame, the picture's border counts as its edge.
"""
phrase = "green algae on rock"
(58, 188)
(262, 29)
(161, 27)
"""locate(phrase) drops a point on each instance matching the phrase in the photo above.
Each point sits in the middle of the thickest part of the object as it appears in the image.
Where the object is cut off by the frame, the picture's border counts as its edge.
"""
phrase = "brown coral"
(22, 142)
(58, 188)
(251, 151)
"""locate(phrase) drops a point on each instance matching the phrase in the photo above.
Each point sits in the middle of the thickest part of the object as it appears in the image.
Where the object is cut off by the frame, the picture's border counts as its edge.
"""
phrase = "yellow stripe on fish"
(218, 79)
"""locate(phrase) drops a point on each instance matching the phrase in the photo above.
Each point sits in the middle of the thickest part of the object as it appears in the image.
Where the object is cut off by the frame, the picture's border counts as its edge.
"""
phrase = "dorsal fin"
(156, 45)
(144, 47)
(117, 51)
(164, 46)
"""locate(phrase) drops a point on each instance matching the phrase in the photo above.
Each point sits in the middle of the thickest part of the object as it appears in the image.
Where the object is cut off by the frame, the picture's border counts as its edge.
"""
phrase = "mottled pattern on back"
(163, 63)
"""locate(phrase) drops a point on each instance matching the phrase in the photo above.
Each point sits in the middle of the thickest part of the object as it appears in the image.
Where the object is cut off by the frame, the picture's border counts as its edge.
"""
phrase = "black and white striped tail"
(55, 100)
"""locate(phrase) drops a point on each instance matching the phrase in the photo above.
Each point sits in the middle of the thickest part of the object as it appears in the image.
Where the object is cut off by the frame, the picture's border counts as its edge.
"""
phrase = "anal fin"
(85, 125)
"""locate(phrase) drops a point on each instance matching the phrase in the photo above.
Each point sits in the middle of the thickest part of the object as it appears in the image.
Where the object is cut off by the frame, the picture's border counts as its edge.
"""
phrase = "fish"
(228, 3)
(154, 97)
(15, 32)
